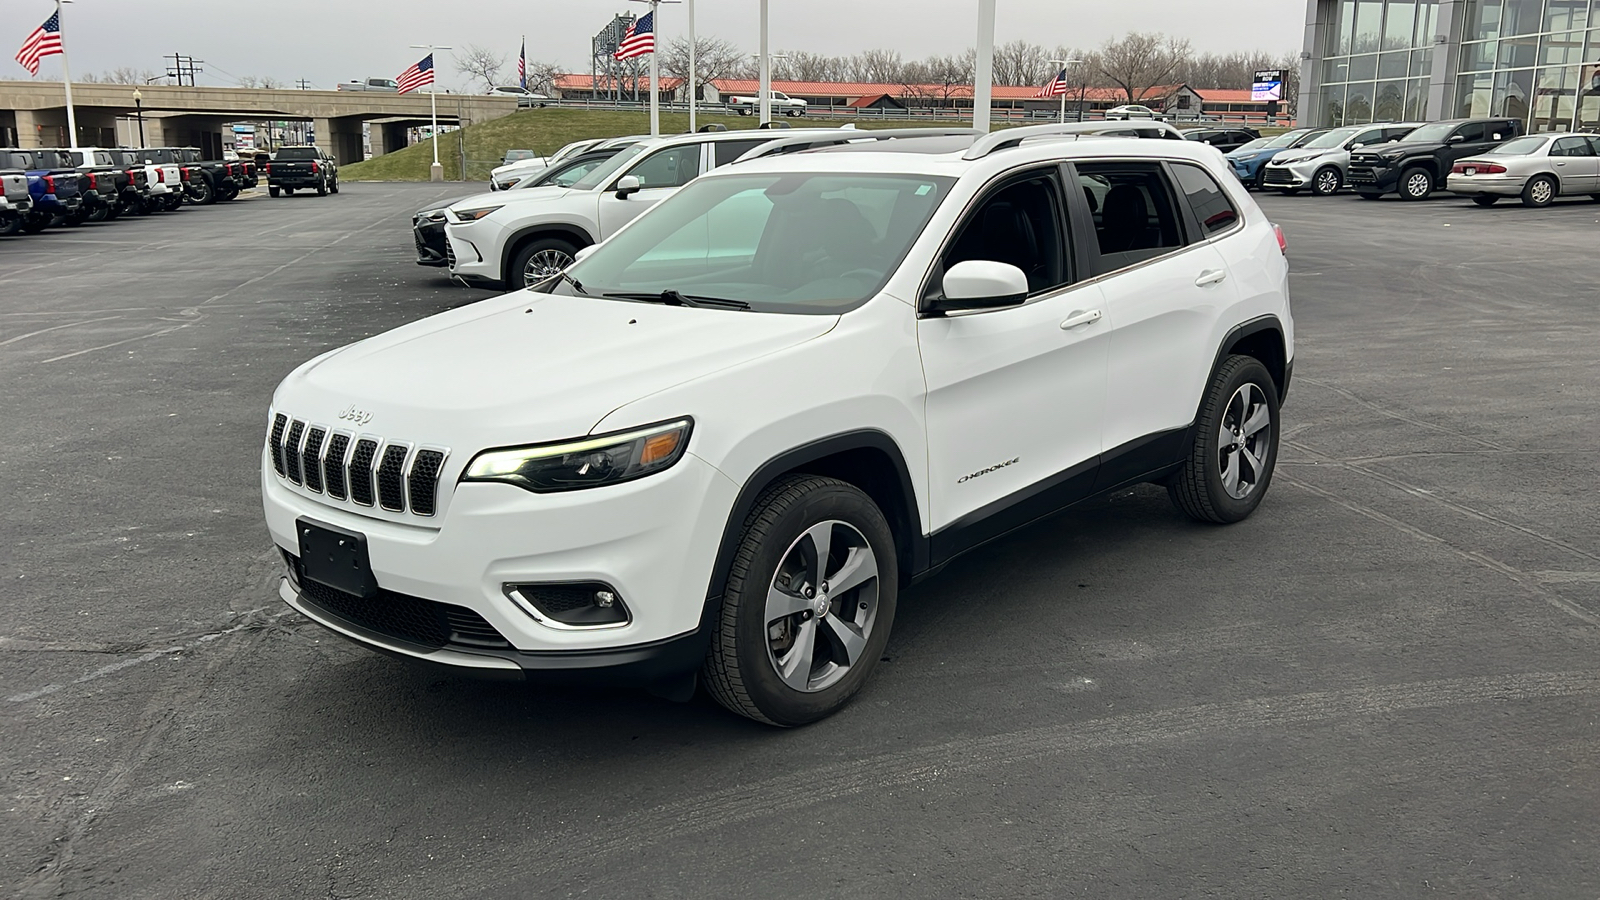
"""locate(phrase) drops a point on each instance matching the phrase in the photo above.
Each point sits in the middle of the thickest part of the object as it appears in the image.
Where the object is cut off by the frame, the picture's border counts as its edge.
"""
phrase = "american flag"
(1055, 88)
(419, 75)
(45, 41)
(522, 65)
(640, 39)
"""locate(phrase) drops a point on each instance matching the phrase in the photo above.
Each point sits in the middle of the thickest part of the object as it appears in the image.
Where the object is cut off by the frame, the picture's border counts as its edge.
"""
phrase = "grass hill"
(543, 130)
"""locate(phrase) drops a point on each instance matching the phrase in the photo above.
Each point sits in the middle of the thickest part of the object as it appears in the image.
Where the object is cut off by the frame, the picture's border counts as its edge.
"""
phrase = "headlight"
(585, 462)
(473, 215)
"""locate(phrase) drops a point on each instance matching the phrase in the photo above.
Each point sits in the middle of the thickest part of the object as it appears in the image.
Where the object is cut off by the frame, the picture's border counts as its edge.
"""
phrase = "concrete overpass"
(34, 114)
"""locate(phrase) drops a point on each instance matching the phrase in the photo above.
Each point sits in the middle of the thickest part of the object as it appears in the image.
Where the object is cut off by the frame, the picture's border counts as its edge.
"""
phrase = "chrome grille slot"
(291, 453)
(333, 475)
(422, 485)
(312, 458)
(361, 471)
(391, 477)
(280, 422)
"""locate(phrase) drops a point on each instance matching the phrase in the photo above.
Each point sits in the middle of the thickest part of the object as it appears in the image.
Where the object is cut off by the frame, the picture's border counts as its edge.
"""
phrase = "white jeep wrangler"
(722, 442)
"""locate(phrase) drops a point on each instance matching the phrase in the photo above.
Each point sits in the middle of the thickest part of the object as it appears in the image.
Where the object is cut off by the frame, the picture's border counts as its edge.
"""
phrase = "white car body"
(1132, 111)
(14, 196)
(981, 414)
(779, 102)
(482, 250)
(501, 176)
(1573, 174)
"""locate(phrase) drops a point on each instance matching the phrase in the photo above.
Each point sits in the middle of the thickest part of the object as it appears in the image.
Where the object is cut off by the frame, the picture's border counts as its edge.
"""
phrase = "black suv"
(1416, 166)
(1225, 139)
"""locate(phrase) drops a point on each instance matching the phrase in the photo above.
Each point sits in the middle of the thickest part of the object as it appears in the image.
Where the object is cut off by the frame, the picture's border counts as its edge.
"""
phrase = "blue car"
(54, 188)
(1250, 161)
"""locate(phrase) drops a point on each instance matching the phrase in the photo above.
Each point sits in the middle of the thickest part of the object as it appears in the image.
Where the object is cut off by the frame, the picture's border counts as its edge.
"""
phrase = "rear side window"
(1210, 203)
(728, 151)
(1572, 146)
(669, 168)
(1135, 213)
(1472, 131)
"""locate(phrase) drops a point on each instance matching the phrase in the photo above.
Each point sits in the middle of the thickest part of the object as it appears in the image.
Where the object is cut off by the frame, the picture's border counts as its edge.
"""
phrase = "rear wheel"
(35, 224)
(288, 191)
(10, 225)
(1486, 199)
(1416, 184)
(1368, 195)
(99, 214)
(1260, 181)
(1326, 182)
(204, 193)
(809, 603)
(1540, 191)
(538, 261)
(333, 186)
(322, 188)
(272, 192)
(1235, 445)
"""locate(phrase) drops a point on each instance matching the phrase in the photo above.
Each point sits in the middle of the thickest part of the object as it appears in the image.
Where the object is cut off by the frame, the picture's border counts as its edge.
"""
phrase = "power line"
(183, 67)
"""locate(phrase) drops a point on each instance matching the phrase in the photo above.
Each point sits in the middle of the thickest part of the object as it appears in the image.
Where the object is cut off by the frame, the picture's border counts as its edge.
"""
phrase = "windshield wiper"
(674, 298)
(576, 284)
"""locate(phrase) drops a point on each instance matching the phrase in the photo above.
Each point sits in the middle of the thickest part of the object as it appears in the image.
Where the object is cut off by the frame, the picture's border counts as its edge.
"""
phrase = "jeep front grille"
(364, 470)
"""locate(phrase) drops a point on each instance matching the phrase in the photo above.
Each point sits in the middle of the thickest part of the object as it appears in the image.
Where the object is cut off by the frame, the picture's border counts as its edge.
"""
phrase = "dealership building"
(1407, 60)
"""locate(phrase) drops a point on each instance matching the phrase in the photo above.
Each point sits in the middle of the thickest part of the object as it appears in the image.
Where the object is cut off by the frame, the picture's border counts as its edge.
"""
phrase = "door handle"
(1081, 318)
(1210, 277)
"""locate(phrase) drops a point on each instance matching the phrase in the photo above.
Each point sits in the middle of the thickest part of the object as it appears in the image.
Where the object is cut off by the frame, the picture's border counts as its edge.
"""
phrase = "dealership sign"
(1268, 86)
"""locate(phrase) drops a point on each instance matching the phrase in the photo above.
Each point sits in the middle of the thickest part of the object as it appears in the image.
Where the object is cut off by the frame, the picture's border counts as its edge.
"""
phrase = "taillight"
(1478, 169)
(269, 168)
(49, 184)
(314, 169)
(94, 182)
(1283, 242)
(161, 176)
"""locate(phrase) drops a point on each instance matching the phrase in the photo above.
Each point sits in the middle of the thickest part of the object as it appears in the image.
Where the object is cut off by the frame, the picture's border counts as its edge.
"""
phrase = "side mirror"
(1457, 138)
(584, 253)
(982, 284)
(627, 186)
(1357, 146)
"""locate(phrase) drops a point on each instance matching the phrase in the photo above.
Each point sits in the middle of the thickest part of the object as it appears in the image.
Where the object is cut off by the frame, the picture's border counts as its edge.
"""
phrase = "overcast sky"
(328, 41)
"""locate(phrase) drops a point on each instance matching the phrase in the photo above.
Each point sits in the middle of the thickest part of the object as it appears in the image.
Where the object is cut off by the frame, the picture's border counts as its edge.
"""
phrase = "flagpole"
(764, 76)
(66, 81)
(983, 71)
(692, 98)
(436, 171)
(655, 70)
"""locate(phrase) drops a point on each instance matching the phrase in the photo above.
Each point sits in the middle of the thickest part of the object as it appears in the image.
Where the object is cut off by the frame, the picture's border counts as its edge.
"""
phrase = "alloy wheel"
(1327, 182)
(1542, 192)
(543, 264)
(821, 606)
(1418, 184)
(1244, 442)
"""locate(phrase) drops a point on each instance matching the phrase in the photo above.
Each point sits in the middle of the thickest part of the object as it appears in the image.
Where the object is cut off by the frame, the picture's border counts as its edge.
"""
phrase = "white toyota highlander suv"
(722, 442)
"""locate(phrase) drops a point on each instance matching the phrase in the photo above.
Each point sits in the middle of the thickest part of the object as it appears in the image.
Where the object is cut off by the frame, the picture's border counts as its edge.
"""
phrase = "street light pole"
(1063, 63)
(436, 171)
(983, 76)
(764, 89)
(138, 112)
(692, 104)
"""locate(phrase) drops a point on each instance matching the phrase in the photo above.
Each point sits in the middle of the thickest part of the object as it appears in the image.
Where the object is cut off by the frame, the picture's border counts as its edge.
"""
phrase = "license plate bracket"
(1471, 171)
(335, 557)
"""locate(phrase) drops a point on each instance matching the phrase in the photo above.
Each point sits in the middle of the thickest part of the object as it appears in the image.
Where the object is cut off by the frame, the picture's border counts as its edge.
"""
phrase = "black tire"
(740, 670)
(550, 249)
(99, 214)
(204, 194)
(35, 224)
(1327, 181)
(77, 217)
(288, 192)
(1288, 192)
(174, 202)
(322, 188)
(747, 111)
(1368, 195)
(1595, 197)
(1200, 488)
(1486, 200)
(1416, 183)
(333, 186)
(272, 192)
(1259, 183)
(1540, 191)
(227, 193)
(10, 225)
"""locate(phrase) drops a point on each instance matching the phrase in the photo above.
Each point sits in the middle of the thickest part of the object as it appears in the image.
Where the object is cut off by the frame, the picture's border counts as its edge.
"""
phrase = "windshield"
(598, 175)
(564, 175)
(514, 155)
(1334, 138)
(1522, 146)
(1435, 132)
(296, 153)
(795, 243)
(1287, 139)
(1256, 144)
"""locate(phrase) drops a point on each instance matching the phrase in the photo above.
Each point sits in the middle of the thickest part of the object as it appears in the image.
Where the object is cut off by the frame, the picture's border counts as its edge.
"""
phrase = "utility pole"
(303, 85)
(983, 77)
(183, 67)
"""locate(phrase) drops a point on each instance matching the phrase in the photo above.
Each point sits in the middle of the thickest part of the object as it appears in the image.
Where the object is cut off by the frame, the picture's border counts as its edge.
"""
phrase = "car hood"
(1290, 157)
(527, 368)
(1400, 148)
(519, 165)
(1252, 155)
(503, 198)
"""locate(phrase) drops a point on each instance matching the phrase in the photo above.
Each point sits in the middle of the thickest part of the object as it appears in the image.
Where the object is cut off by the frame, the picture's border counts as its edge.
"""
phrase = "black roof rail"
(798, 143)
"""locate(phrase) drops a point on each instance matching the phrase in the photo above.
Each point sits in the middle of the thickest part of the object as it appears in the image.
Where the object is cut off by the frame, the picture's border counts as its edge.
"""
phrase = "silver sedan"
(1538, 168)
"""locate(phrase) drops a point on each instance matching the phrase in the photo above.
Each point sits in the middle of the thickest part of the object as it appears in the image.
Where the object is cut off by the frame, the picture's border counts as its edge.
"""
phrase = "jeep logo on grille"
(358, 416)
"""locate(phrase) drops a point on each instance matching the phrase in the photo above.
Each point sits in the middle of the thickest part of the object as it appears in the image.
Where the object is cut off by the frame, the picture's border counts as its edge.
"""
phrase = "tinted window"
(1209, 202)
(1134, 215)
(102, 158)
(1019, 224)
(298, 153)
(673, 167)
(728, 151)
(1472, 132)
(1572, 146)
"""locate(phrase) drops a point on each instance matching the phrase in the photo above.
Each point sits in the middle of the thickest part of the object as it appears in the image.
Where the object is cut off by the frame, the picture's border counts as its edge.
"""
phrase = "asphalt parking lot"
(1385, 684)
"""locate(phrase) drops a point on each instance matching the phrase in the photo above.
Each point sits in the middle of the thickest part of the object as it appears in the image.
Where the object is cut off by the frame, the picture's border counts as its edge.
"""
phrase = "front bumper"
(430, 240)
(654, 541)
(1499, 185)
(1373, 179)
(475, 249)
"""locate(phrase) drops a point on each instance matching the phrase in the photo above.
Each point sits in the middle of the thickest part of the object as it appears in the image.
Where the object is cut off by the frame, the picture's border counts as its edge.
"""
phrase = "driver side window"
(670, 168)
(1021, 224)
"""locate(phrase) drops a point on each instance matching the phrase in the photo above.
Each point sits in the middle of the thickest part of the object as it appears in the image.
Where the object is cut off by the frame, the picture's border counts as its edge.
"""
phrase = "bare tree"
(269, 83)
(714, 58)
(542, 76)
(948, 76)
(128, 75)
(1020, 63)
(1140, 61)
(480, 63)
(876, 67)
(802, 65)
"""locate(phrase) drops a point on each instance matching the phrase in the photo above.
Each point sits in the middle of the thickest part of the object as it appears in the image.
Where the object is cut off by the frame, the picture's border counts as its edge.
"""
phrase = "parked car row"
(1483, 159)
(49, 187)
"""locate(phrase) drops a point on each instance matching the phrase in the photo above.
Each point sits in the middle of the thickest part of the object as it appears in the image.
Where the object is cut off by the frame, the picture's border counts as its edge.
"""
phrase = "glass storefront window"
(1481, 21)
(1479, 57)
(1555, 99)
(1513, 94)
(1566, 15)
(1427, 17)
(1416, 100)
(1519, 52)
(1421, 63)
(1347, 27)
(1561, 49)
(1400, 25)
(1394, 65)
(1358, 105)
(1473, 95)
(1333, 104)
(1390, 105)
(1363, 68)
(1521, 17)
(1369, 26)
(1589, 97)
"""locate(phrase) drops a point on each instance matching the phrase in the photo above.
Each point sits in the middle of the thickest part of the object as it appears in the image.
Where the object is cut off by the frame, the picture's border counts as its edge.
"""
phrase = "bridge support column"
(27, 129)
(341, 139)
(388, 137)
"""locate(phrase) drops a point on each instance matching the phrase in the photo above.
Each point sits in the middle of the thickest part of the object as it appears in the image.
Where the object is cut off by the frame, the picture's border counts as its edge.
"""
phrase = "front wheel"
(1486, 200)
(1416, 184)
(1327, 182)
(333, 186)
(1368, 195)
(538, 261)
(322, 188)
(1288, 192)
(1540, 191)
(808, 606)
(1235, 446)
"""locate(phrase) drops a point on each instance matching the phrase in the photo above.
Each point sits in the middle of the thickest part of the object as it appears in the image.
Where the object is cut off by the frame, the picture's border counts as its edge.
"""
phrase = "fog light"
(571, 605)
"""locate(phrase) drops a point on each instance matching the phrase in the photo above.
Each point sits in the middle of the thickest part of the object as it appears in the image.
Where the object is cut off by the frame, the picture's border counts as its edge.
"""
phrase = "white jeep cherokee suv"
(724, 440)
(514, 239)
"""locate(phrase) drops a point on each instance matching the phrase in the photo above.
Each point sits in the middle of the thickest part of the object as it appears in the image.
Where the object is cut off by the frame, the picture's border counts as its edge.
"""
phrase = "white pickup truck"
(382, 85)
(782, 104)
